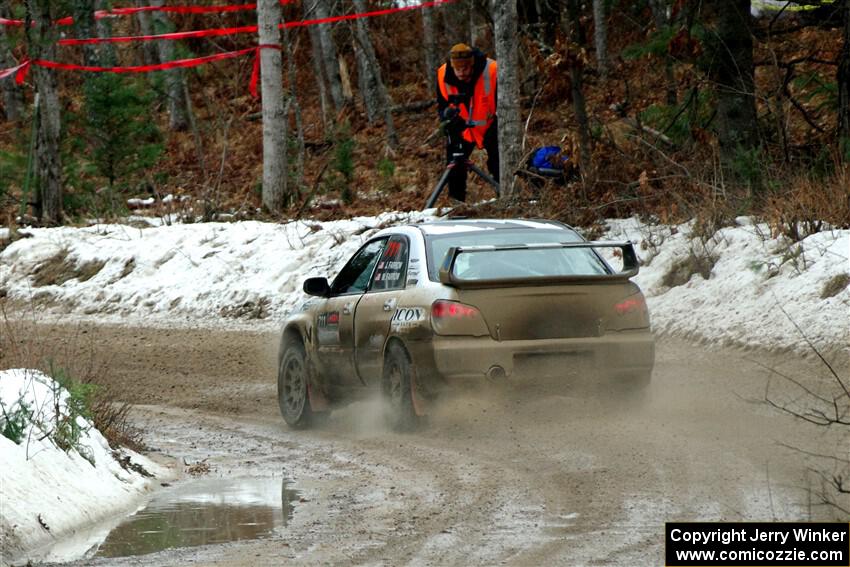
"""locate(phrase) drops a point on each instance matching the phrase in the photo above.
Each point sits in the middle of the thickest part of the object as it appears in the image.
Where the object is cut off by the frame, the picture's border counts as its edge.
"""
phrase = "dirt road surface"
(503, 477)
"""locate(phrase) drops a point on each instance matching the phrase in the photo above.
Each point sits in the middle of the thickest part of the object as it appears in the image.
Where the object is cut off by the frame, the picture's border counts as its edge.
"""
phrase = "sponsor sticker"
(405, 317)
(329, 319)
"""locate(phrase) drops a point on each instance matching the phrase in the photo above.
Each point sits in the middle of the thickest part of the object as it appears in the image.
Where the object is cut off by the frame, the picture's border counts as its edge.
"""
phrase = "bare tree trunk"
(13, 96)
(430, 48)
(366, 84)
(662, 22)
(274, 111)
(329, 54)
(471, 33)
(178, 109)
(345, 80)
(600, 37)
(41, 43)
(376, 91)
(570, 20)
(106, 51)
(509, 122)
(321, 82)
(149, 53)
(84, 27)
(289, 53)
(843, 79)
(733, 75)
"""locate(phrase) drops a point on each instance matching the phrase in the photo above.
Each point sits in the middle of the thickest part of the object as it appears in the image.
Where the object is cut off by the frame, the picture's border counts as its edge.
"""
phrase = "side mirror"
(317, 286)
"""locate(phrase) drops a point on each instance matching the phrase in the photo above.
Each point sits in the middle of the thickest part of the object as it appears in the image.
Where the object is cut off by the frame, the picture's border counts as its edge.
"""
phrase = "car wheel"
(397, 389)
(292, 380)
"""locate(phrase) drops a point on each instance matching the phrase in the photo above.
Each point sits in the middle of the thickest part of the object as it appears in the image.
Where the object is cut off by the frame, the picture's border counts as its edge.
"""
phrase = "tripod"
(459, 159)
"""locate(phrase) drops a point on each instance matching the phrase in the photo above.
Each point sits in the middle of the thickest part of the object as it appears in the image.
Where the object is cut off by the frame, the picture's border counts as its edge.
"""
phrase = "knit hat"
(460, 51)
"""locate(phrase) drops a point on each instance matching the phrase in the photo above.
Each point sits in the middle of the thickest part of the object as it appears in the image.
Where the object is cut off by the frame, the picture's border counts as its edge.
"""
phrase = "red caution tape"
(248, 29)
(373, 13)
(21, 70)
(255, 72)
(173, 35)
(115, 12)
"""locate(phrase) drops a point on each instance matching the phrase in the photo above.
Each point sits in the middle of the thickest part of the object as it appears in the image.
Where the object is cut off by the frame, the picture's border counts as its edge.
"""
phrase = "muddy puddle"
(202, 512)
(187, 514)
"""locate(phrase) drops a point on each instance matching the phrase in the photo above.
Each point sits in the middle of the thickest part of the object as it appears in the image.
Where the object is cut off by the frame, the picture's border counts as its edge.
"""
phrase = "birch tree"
(175, 79)
(843, 79)
(509, 123)
(41, 44)
(13, 96)
(600, 37)
(374, 92)
(274, 110)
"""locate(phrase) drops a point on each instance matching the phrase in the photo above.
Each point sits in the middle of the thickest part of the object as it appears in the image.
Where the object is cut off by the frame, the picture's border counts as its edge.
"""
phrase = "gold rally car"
(422, 307)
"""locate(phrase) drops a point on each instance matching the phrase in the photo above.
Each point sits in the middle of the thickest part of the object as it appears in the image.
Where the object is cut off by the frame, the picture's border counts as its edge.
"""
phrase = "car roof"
(453, 226)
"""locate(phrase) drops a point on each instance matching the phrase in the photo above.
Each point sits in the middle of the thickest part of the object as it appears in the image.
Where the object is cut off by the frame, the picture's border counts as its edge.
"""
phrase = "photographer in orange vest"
(466, 101)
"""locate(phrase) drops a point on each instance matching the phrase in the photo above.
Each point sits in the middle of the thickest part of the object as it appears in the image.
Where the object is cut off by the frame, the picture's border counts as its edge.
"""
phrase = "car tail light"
(455, 318)
(453, 309)
(630, 305)
(629, 313)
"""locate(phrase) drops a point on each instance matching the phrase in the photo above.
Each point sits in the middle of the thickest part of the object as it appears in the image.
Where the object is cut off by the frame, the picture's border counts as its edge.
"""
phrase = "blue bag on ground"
(548, 161)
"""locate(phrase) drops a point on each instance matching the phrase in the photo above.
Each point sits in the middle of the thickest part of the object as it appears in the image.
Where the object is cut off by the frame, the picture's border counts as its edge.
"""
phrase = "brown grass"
(61, 268)
(681, 271)
(25, 343)
(835, 285)
(806, 205)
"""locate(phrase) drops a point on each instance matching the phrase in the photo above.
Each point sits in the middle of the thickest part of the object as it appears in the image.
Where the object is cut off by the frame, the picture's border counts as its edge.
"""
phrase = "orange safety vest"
(483, 102)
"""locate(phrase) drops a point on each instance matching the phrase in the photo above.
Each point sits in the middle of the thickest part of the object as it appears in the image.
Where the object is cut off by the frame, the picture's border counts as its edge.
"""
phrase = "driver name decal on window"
(391, 270)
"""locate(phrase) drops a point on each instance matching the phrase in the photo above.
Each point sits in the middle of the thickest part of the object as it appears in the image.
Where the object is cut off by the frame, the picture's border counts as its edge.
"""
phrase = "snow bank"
(247, 270)
(252, 271)
(45, 492)
(760, 289)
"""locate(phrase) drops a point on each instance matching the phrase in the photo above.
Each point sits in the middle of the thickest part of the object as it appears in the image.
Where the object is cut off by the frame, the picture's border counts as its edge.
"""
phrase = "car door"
(378, 306)
(335, 319)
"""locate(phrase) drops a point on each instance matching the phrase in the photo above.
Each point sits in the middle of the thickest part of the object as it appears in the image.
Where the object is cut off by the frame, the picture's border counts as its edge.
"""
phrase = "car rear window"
(499, 264)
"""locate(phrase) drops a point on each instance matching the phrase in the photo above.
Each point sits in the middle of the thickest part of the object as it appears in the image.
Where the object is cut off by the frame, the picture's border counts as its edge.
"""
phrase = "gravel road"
(502, 477)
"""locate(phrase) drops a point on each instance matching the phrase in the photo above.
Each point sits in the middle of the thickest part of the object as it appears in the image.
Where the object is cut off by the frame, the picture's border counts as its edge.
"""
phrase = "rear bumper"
(617, 355)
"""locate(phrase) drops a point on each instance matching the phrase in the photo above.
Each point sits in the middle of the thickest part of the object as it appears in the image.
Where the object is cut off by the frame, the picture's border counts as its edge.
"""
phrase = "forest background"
(671, 110)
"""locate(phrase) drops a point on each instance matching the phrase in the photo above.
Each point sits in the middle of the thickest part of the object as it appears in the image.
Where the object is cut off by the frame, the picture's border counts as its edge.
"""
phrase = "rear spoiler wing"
(630, 265)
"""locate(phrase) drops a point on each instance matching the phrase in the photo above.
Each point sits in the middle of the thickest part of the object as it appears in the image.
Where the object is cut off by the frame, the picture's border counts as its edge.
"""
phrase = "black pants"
(457, 178)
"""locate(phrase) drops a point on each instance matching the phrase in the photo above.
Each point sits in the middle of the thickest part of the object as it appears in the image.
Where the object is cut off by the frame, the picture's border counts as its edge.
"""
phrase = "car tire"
(397, 389)
(292, 382)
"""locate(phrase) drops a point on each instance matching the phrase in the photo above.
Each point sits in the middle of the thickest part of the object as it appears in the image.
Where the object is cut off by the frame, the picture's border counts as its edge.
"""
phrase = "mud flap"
(420, 406)
(315, 395)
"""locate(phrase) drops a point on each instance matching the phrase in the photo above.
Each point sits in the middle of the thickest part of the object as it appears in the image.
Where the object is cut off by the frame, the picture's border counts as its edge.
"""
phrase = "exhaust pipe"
(496, 373)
